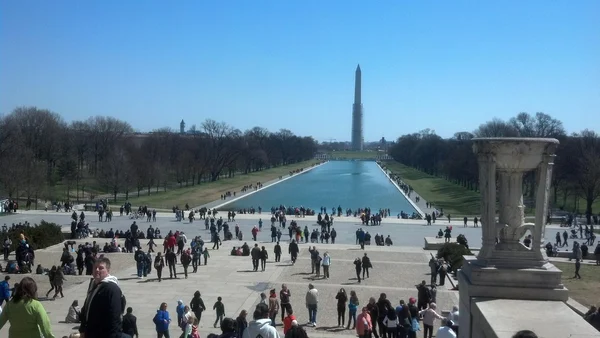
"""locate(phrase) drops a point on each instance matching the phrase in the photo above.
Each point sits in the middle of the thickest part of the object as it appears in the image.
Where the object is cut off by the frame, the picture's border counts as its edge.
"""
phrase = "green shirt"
(27, 319)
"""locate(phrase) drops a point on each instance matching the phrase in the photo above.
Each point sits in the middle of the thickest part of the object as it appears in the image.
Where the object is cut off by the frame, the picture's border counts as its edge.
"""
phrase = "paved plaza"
(404, 232)
(396, 271)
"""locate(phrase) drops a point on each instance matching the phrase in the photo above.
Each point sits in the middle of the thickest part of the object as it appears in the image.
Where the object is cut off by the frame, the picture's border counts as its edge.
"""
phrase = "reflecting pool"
(349, 184)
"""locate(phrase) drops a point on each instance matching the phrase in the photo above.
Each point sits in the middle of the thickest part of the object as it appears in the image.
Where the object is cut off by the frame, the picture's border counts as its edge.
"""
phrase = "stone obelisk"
(357, 113)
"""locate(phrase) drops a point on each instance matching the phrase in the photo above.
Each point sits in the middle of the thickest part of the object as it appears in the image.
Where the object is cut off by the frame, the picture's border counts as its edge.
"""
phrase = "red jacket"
(287, 323)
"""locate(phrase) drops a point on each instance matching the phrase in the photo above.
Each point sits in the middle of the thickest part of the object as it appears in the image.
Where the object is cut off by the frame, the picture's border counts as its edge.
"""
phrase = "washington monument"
(357, 114)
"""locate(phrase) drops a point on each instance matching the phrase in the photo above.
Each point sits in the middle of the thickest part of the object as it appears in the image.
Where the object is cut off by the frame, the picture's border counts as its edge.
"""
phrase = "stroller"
(574, 234)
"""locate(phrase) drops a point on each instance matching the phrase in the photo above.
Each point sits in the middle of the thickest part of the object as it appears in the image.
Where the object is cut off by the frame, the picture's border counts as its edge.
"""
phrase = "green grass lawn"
(455, 199)
(211, 191)
(584, 290)
(569, 204)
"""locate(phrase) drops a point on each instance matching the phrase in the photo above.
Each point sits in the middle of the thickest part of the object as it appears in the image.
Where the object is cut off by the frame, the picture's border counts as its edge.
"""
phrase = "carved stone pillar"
(508, 269)
(487, 186)
(506, 160)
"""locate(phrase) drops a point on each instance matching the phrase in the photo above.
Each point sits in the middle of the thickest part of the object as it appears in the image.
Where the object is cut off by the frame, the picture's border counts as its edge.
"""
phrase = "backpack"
(185, 259)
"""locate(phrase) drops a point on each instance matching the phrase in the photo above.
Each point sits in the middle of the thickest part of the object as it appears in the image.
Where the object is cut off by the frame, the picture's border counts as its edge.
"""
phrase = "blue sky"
(444, 65)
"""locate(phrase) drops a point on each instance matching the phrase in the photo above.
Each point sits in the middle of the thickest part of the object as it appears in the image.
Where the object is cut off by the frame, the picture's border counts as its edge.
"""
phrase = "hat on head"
(294, 322)
(412, 300)
(180, 302)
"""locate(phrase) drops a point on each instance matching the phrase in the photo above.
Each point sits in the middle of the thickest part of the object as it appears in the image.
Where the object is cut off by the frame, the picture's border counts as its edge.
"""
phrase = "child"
(180, 312)
(220, 309)
(206, 255)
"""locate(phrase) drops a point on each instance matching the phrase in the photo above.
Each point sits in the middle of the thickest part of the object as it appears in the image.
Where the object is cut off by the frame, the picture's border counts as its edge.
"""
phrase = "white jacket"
(260, 328)
(391, 323)
(445, 332)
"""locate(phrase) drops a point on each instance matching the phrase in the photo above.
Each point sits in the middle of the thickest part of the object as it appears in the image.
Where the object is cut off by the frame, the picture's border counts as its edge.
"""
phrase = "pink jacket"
(360, 323)
(429, 315)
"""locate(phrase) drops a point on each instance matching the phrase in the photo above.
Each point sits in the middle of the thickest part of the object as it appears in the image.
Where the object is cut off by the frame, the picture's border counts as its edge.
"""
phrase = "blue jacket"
(5, 289)
(162, 320)
(180, 309)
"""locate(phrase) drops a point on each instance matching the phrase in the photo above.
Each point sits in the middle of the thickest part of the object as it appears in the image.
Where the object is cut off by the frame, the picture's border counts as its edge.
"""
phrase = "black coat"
(130, 325)
(103, 318)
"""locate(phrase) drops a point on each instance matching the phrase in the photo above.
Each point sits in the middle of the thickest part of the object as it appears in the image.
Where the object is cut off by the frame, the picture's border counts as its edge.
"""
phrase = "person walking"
(277, 251)
(102, 309)
(358, 268)
(140, 259)
(433, 266)
(26, 315)
(326, 264)
(130, 324)
(161, 321)
(59, 278)
(284, 300)
(312, 301)
(264, 255)
(293, 251)
(171, 259)
(577, 254)
(196, 252)
(186, 259)
(255, 256)
(197, 305)
(219, 311)
(205, 255)
(51, 274)
(342, 298)
(159, 264)
(366, 265)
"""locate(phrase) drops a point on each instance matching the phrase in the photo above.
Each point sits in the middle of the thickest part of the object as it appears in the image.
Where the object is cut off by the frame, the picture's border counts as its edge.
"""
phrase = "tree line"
(576, 171)
(40, 150)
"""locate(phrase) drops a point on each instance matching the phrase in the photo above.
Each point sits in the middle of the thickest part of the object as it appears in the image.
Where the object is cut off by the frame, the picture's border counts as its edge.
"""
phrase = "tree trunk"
(588, 204)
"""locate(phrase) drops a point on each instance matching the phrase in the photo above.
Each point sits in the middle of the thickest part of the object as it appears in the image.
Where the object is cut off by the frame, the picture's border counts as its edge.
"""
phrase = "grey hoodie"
(260, 328)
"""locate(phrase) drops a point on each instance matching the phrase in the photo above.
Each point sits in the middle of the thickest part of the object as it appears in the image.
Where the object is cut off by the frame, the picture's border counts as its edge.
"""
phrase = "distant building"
(182, 127)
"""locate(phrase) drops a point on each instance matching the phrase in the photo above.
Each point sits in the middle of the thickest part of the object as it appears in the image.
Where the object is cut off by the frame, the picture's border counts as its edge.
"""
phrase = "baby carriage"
(573, 234)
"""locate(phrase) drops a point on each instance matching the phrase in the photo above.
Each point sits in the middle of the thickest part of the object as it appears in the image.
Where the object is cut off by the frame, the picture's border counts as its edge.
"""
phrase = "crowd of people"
(377, 318)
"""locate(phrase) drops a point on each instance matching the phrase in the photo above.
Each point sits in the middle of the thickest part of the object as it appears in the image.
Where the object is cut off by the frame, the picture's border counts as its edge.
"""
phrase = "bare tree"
(496, 128)
(103, 134)
(587, 167)
(221, 146)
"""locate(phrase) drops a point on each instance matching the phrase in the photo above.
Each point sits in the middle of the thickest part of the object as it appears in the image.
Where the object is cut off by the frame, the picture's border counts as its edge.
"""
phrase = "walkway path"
(421, 204)
(396, 271)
